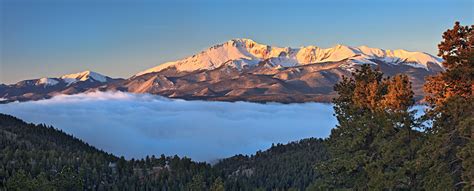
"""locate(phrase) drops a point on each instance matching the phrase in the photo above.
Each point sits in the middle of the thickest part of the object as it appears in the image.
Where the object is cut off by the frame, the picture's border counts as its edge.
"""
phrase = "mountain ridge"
(248, 52)
(242, 70)
(46, 87)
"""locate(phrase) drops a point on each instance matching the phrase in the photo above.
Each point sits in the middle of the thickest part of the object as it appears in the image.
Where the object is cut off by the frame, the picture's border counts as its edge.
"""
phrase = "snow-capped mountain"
(69, 79)
(49, 86)
(241, 53)
(242, 69)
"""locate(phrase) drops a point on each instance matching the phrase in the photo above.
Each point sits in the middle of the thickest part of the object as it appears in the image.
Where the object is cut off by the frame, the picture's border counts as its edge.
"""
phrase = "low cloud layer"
(135, 125)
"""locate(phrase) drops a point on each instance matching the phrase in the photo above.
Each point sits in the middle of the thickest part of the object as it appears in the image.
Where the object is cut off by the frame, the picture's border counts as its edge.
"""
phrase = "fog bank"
(136, 125)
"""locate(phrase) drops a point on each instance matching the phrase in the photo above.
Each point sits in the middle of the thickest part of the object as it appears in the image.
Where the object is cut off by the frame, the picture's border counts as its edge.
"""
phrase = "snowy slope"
(246, 52)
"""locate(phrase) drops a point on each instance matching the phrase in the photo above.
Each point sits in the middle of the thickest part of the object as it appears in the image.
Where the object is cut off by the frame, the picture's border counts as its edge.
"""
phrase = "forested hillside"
(281, 166)
(38, 157)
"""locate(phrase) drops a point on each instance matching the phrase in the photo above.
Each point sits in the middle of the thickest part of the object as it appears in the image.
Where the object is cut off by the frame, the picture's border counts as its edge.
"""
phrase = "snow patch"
(47, 82)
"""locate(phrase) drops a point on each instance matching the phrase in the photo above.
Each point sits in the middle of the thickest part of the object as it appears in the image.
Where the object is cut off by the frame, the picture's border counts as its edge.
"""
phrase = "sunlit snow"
(248, 52)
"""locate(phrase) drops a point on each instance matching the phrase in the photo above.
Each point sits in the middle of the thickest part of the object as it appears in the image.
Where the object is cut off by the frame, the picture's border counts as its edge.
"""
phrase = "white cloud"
(136, 125)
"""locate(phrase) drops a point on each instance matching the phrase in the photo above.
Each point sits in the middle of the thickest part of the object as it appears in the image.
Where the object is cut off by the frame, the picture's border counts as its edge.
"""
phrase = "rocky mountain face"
(263, 82)
(243, 70)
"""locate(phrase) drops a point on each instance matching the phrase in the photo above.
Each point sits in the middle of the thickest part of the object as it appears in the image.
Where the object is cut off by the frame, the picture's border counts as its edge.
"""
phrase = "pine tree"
(197, 184)
(399, 95)
(448, 154)
(458, 53)
(218, 185)
(42, 183)
(19, 181)
(371, 146)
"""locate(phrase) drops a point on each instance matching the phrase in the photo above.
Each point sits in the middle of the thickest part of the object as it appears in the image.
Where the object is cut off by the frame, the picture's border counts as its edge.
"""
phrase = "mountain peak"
(242, 40)
(245, 43)
(247, 52)
(83, 76)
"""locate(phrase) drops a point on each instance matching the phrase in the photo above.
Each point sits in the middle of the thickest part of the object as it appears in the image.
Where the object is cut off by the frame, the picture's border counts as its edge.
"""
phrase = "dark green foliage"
(448, 155)
(447, 158)
(280, 167)
(218, 185)
(374, 143)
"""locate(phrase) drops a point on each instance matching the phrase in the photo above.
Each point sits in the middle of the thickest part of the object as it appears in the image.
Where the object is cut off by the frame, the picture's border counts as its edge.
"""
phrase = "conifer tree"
(218, 185)
(458, 53)
(371, 146)
(448, 155)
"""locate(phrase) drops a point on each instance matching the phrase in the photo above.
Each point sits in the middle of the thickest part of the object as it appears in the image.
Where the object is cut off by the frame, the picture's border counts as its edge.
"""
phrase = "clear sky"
(119, 38)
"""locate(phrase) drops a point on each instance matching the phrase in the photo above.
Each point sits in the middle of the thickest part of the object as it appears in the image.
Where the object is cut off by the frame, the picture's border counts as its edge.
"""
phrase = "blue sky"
(120, 38)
